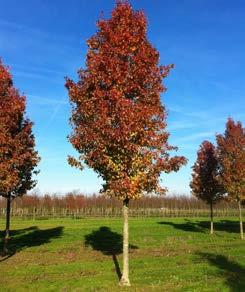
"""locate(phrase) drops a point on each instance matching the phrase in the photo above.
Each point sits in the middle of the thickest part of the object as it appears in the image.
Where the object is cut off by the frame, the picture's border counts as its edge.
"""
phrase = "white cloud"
(47, 101)
(195, 136)
(9, 25)
(180, 125)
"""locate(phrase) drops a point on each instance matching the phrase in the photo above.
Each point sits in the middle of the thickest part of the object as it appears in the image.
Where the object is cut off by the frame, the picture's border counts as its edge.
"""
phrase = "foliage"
(18, 157)
(118, 120)
(205, 184)
(231, 153)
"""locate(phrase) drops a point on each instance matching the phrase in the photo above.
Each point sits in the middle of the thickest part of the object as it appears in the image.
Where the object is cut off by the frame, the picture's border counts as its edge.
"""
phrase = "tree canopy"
(119, 123)
(231, 152)
(205, 184)
(18, 157)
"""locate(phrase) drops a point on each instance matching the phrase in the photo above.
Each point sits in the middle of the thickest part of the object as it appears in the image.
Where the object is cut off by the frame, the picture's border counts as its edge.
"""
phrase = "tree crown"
(231, 152)
(205, 184)
(117, 117)
(18, 157)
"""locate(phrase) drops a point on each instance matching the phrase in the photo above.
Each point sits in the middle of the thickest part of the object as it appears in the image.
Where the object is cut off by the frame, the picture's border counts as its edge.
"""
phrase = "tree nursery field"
(174, 254)
(92, 75)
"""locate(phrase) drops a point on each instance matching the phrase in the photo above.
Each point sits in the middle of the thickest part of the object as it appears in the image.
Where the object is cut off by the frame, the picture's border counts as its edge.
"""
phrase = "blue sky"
(42, 41)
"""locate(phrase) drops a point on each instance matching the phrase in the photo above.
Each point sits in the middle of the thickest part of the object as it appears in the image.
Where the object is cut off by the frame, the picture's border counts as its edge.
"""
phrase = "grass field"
(166, 254)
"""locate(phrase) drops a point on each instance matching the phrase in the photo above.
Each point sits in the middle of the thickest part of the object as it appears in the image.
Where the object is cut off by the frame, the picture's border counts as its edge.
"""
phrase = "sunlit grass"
(165, 255)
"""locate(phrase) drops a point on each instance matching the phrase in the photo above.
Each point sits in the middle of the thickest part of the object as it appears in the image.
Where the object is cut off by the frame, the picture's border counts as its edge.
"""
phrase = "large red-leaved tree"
(18, 157)
(119, 123)
(231, 153)
(205, 184)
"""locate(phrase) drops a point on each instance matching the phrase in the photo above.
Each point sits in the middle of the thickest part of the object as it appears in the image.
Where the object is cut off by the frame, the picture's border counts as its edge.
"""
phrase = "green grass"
(85, 255)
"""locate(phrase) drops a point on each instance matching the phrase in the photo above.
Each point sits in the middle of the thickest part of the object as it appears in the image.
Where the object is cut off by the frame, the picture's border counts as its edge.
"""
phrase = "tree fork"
(240, 218)
(124, 281)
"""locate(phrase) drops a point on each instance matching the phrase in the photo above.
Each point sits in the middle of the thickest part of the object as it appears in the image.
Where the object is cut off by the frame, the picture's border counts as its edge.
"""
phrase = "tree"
(205, 184)
(18, 157)
(119, 126)
(231, 153)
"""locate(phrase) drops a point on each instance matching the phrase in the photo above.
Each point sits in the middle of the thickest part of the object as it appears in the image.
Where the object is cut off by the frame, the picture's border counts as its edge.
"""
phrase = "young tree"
(205, 184)
(118, 121)
(17, 155)
(231, 153)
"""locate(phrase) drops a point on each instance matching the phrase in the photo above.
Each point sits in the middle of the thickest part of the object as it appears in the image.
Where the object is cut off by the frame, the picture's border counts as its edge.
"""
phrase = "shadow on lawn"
(233, 273)
(204, 226)
(109, 243)
(28, 237)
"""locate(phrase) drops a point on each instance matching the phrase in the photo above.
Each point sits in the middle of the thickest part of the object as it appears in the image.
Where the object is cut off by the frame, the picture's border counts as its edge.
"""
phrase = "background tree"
(205, 184)
(17, 155)
(117, 117)
(231, 153)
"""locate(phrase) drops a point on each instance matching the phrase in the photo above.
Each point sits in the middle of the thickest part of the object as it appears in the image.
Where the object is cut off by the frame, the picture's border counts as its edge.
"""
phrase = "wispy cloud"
(181, 125)
(38, 70)
(215, 112)
(50, 78)
(29, 74)
(177, 109)
(196, 136)
(47, 101)
(55, 112)
(9, 25)
(45, 46)
(56, 104)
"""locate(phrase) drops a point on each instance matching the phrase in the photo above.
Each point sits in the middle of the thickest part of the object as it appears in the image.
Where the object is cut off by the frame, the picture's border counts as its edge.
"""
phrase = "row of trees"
(219, 171)
(74, 201)
(118, 121)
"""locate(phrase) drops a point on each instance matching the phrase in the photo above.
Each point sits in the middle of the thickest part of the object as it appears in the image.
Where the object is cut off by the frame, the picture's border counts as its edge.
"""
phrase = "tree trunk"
(211, 219)
(125, 275)
(6, 237)
(240, 219)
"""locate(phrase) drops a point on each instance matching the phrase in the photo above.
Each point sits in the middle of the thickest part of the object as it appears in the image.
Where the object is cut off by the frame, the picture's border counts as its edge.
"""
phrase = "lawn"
(166, 254)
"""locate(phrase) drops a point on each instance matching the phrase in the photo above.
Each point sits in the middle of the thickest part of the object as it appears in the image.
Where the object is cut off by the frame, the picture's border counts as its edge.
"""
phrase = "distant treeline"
(79, 205)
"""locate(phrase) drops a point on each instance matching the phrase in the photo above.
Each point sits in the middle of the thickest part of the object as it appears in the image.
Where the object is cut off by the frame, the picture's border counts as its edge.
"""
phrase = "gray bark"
(211, 219)
(240, 219)
(6, 236)
(124, 281)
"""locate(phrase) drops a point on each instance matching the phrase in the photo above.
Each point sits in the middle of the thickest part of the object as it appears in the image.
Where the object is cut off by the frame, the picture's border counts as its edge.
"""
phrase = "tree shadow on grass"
(109, 243)
(233, 272)
(222, 225)
(28, 237)
(188, 226)
(204, 226)
(17, 231)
